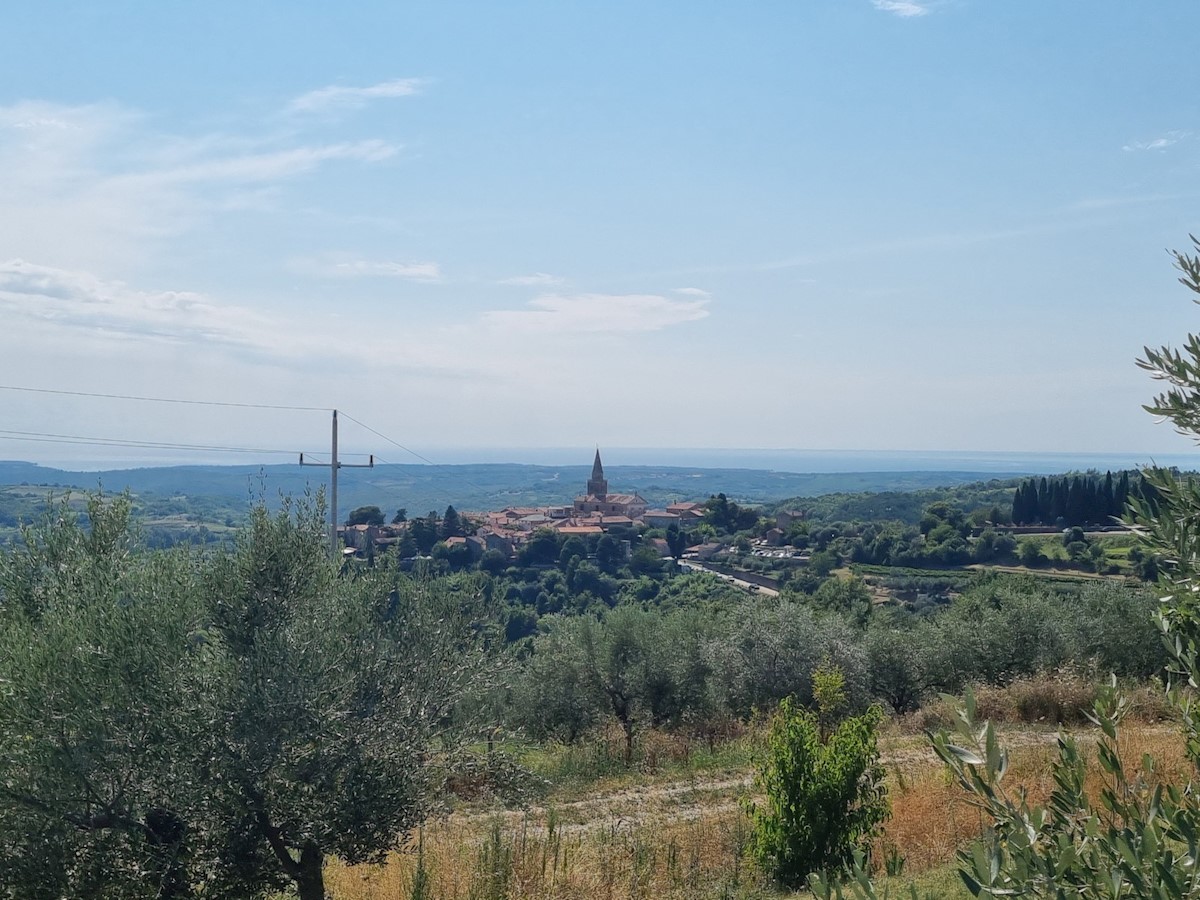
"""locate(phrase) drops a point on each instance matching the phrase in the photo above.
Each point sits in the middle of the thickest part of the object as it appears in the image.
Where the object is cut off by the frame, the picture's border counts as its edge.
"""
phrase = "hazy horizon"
(798, 461)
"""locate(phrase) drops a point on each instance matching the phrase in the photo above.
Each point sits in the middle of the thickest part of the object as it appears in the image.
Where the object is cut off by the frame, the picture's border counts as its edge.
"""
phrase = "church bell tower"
(597, 486)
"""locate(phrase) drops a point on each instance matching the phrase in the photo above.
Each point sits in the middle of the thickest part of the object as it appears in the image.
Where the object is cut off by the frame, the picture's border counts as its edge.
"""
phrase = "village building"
(690, 514)
(785, 519)
(660, 546)
(580, 530)
(660, 518)
(599, 500)
(497, 540)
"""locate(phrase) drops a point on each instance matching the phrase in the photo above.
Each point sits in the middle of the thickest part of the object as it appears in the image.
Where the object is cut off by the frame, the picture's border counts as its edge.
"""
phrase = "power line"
(388, 439)
(50, 438)
(396, 443)
(32, 390)
(42, 437)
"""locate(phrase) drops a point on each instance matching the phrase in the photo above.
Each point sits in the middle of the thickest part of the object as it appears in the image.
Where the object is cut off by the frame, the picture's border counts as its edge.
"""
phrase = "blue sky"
(869, 224)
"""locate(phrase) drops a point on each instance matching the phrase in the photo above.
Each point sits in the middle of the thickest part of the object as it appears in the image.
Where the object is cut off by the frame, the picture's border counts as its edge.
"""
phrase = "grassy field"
(677, 827)
(1116, 548)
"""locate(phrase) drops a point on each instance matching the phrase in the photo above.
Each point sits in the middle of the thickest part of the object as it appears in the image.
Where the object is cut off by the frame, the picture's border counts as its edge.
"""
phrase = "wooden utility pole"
(334, 465)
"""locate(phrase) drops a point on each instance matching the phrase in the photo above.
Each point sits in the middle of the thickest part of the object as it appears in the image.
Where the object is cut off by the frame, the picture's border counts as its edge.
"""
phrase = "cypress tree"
(1075, 510)
(1058, 501)
(1020, 510)
(1032, 511)
(1087, 504)
(1122, 493)
(451, 524)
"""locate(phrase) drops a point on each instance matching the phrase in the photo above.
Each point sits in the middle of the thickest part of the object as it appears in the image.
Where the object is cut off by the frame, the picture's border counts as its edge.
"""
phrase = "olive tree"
(102, 706)
(231, 721)
(770, 649)
(555, 695)
(638, 666)
(337, 695)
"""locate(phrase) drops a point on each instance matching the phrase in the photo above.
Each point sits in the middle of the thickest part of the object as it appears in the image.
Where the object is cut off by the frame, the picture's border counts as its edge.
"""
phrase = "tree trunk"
(310, 880)
(627, 724)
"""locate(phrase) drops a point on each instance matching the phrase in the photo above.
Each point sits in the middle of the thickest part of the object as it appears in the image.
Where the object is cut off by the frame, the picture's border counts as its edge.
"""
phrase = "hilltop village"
(593, 513)
(1036, 523)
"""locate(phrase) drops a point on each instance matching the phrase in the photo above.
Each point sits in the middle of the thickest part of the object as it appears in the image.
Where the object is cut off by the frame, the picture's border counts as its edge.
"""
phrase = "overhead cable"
(44, 437)
(33, 390)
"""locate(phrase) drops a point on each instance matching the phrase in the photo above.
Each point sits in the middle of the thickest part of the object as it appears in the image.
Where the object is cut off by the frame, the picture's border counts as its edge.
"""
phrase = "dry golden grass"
(687, 838)
(497, 858)
(931, 817)
(1062, 698)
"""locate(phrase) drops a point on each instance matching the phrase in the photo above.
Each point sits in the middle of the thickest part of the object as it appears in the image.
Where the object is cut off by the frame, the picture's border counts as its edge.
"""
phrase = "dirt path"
(683, 800)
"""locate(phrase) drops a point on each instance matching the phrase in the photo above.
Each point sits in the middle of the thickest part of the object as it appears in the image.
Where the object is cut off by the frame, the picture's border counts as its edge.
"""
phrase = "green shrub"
(825, 799)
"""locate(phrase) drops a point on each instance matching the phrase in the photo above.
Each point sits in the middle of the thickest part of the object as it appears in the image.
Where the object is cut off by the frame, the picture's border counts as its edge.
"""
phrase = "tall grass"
(1054, 698)
(532, 858)
(931, 817)
(588, 763)
(673, 828)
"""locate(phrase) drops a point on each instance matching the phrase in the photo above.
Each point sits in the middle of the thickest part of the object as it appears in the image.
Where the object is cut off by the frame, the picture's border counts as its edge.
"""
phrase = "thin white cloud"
(64, 308)
(93, 187)
(340, 97)
(903, 8)
(537, 279)
(33, 116)
(343, 265)
(421, 271)
(693, 292)
(598, 313)
(80, 300)
(935, 241)
(262, 167)
(1158, 143)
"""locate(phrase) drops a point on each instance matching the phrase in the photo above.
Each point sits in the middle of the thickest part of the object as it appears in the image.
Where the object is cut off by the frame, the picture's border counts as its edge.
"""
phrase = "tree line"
(696, 664)
(1081, 499)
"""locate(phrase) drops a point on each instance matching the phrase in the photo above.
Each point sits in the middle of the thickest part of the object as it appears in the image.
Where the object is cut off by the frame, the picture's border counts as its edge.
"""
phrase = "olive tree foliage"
(168, 722)
(898, 661)
(102, 687)
(683, 665)
(1140, 838)
(336, 693)
(554, 696)
(632, 665)
(769, 651)
(998, 631)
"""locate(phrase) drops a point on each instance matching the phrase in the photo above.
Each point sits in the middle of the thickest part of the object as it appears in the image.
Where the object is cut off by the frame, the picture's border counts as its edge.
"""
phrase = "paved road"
(750, 586)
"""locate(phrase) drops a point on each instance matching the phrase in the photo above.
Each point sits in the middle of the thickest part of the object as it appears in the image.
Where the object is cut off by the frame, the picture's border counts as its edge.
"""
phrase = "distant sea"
(1000, 463)
(805, 461)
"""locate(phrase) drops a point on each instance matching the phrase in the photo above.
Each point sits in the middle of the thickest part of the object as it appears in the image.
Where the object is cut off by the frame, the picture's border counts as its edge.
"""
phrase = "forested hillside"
(906, 506)
(473, 487)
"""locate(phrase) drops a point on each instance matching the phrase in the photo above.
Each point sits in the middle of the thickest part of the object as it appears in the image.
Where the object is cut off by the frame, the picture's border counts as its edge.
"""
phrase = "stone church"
(598, 501)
